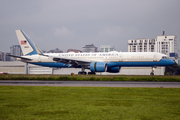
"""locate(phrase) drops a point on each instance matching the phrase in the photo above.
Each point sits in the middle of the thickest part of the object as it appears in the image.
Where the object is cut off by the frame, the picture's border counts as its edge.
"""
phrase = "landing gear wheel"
(82, 73)
(91, 73)
(151, 73)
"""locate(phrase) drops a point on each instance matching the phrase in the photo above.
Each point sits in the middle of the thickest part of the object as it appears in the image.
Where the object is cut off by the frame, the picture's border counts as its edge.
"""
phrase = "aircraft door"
(120, 57)
(155, 58)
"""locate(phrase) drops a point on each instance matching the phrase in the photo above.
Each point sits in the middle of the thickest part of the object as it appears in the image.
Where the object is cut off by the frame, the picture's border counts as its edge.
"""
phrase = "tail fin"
(27, 46)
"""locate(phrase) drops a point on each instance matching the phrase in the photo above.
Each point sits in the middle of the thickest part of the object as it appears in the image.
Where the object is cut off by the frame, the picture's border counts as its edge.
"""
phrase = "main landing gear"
(83, 72)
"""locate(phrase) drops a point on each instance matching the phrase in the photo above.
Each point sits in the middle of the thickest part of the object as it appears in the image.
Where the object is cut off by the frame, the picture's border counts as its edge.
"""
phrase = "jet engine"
(98, 67)
(113, 69)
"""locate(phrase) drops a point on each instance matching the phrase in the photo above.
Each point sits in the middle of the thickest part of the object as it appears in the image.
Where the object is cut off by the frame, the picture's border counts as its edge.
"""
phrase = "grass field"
(92, 77)
(89, 103)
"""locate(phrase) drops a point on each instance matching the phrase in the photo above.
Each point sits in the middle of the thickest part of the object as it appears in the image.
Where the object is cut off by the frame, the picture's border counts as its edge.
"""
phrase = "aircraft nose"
(172, 62)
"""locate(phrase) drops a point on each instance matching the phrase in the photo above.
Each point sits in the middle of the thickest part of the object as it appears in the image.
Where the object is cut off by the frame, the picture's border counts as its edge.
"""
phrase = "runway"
(91, 84)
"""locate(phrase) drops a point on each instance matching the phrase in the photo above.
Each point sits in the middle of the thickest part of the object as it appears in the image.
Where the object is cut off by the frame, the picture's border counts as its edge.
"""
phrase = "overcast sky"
(68, 24)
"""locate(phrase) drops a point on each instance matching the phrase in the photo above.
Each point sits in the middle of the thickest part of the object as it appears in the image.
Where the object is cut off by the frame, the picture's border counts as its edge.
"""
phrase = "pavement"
(90, 84)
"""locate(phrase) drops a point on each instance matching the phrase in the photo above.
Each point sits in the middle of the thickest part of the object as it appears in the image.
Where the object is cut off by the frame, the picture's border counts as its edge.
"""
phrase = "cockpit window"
(164, 57)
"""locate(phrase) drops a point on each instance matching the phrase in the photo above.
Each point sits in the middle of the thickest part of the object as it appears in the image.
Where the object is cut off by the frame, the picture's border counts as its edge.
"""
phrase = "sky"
(72, 24)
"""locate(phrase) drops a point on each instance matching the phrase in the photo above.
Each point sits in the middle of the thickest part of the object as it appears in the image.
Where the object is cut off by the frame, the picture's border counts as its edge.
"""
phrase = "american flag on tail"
(23, 42)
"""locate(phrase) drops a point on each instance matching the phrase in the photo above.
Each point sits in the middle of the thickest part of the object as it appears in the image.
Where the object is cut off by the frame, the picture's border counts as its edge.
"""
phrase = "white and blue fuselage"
(112, 59)
(95, 62)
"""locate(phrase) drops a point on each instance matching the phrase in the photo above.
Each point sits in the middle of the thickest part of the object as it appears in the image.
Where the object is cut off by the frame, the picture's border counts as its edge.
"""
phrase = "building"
(55, 51)
(4, 57)
(141, 45)
(0, 56)
(89, 48)
(7, 58)
(15, 50)
(167, 44)
(107, 48)
(74, 50)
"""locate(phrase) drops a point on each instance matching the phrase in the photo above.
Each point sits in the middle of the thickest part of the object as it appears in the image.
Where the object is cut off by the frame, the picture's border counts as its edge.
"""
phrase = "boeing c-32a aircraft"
(96, 62)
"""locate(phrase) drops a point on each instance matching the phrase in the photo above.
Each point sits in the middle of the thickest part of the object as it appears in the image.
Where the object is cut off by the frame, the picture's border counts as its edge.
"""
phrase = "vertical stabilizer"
(27, 46)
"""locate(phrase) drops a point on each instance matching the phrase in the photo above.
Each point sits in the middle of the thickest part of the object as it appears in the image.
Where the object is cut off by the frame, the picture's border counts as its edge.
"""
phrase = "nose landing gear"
(153, 70)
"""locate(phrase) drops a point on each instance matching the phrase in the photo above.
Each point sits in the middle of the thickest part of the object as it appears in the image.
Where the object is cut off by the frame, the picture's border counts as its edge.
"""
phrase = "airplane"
(96, 62)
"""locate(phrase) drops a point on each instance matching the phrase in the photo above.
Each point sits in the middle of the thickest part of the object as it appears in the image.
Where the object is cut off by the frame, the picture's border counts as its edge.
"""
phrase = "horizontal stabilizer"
(23, 58)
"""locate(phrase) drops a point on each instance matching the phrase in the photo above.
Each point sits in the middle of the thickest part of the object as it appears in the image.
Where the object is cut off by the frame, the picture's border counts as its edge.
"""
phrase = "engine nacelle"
(98, 67)
(113, 70)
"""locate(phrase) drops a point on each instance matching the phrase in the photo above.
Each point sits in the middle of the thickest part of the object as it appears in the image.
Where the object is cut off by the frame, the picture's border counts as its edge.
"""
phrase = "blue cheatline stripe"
(163, 62)
(31, 43)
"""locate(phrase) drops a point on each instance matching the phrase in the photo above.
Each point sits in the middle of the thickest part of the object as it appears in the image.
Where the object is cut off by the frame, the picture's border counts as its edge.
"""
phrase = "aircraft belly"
(162, 62)
(51, 64)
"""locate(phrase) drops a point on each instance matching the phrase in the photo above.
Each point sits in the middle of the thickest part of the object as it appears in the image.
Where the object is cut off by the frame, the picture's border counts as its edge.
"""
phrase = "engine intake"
(98, 67)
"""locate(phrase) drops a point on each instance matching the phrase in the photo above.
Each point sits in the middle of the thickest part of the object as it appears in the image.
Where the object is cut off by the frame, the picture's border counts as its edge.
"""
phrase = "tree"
(172, 70)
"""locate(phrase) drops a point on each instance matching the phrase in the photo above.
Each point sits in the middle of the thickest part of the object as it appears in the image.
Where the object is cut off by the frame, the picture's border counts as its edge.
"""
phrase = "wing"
(66, 60)
(73, 61)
